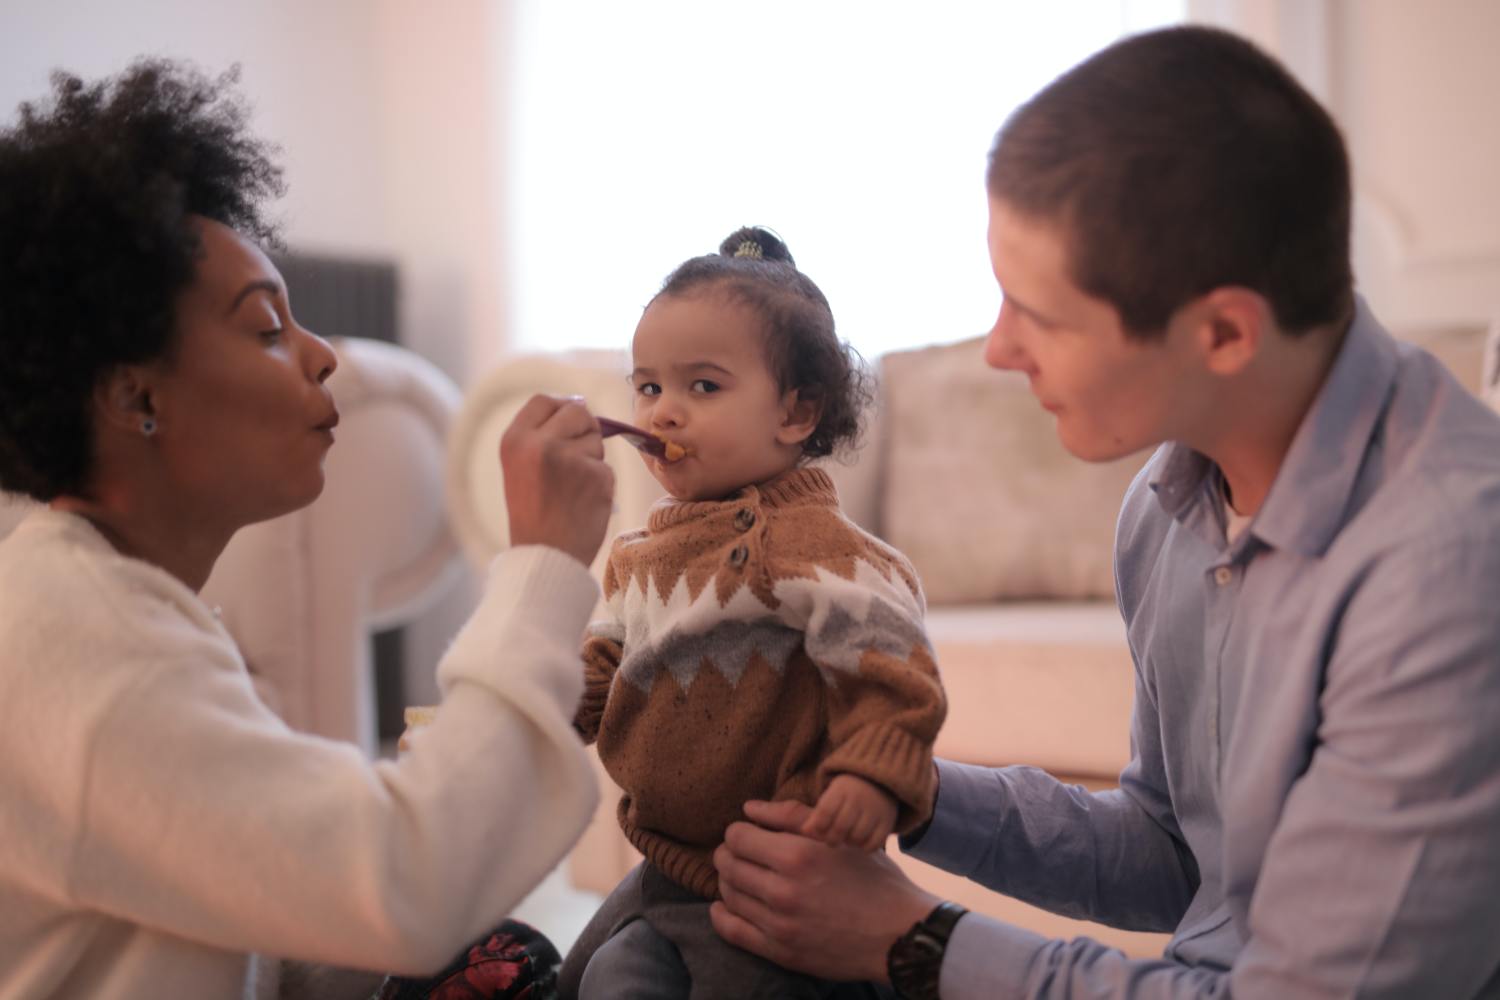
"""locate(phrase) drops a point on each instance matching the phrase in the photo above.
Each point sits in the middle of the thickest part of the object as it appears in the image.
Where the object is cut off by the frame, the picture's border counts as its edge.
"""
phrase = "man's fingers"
(787, 815)
(747, 886)
(820, 820)
(742, 933)
(767, 848)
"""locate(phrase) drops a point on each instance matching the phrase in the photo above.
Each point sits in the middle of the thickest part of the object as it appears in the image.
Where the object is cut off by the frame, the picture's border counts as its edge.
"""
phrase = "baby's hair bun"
(757, 243)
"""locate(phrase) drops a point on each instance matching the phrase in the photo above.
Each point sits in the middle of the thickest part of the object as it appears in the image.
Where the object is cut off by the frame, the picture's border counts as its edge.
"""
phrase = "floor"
(557, 909)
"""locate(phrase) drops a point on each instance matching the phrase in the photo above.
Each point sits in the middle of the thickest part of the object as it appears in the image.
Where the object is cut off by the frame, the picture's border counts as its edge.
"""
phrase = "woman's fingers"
(558, 490)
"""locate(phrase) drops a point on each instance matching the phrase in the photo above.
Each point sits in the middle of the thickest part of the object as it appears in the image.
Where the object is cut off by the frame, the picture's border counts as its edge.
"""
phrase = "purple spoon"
(644, 441)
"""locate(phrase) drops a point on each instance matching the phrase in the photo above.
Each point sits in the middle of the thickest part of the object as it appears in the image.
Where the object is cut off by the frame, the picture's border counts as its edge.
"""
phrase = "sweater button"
(744, 519)
(738, 556)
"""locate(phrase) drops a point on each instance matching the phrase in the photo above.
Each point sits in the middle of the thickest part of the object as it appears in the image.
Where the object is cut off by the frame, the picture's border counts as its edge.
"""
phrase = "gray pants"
(652, 939)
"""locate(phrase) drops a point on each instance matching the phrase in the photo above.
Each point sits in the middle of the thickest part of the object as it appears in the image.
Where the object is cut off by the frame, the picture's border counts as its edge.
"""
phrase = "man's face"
(1111, 396)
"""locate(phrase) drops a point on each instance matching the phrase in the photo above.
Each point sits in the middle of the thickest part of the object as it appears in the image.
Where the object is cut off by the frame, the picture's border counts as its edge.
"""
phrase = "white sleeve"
(204, 816)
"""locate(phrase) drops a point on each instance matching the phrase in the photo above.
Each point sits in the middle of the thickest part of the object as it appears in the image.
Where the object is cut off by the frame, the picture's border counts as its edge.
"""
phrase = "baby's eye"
(648, 389)
(704, 385)
(271, 336)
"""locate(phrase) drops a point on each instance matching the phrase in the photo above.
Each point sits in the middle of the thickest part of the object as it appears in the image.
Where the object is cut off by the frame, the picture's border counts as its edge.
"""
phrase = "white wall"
(385, 110)
(393, 119)
(389, 116)
(1414, 86)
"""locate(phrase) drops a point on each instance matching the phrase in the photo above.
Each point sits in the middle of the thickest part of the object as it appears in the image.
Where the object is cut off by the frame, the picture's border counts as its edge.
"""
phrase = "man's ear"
(800, 415)
(122, 398)
(1229, 326)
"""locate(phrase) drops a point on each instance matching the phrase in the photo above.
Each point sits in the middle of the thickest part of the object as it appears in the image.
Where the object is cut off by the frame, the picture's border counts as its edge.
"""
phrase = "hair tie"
(749, 248)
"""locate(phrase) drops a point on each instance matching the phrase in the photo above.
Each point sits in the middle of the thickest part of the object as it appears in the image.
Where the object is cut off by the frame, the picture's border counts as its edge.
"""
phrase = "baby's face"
(701, 381)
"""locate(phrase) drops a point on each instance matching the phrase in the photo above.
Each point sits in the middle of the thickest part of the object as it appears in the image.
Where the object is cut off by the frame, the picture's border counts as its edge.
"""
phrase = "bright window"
(644, 132)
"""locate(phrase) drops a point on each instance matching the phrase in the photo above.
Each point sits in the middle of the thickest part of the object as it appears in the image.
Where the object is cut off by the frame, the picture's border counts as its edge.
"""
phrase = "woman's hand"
(832, 912)
(852, 812)
(558, 490)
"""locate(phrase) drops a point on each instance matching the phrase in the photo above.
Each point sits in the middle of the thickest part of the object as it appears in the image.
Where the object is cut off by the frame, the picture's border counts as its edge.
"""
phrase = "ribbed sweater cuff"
(590, 712)
(893, 759)
(534, 591)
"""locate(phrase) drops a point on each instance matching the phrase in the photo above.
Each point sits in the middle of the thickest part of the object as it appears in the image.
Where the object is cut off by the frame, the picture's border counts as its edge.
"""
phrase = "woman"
(160, 824)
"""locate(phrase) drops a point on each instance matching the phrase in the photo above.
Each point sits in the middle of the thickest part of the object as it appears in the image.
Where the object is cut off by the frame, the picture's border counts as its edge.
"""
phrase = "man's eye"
(648, 389)
(704, 385)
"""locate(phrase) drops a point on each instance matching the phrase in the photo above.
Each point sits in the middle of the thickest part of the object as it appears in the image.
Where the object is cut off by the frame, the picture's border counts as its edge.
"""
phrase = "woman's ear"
(122, 399)
(800, 414)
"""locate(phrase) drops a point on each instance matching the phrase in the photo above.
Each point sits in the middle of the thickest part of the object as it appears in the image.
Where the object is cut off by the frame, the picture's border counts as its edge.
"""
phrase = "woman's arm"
(205, 817)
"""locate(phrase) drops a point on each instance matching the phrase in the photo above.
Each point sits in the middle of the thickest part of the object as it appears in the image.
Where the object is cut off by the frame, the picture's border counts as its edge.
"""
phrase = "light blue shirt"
(1312, 804)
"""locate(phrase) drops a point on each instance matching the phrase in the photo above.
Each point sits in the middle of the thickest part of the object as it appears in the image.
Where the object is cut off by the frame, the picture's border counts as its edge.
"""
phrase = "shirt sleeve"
(1089, 855)
(205, 817)
(1375, 880)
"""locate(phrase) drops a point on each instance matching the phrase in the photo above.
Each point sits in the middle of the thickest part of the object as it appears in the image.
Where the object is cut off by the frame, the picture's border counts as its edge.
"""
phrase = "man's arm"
(1091, 855)
(1378, 880)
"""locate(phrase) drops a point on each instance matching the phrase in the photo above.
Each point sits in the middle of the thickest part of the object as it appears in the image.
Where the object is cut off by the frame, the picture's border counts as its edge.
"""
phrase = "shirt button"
(744, 519)
(738, 556)
(1223, 575)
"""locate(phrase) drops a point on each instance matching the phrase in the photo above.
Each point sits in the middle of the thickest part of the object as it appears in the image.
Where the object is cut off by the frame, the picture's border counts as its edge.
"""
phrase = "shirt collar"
(1307, 502)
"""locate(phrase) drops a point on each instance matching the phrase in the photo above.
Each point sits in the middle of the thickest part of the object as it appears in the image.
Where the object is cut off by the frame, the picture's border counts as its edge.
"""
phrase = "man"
(1308, 568)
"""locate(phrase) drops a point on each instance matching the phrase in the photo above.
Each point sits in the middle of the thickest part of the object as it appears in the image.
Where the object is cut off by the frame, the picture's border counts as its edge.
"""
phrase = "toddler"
(759, 645)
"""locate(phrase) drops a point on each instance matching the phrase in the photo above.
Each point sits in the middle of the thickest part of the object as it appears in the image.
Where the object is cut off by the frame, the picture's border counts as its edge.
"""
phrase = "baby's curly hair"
(96, 189)
(754, 267)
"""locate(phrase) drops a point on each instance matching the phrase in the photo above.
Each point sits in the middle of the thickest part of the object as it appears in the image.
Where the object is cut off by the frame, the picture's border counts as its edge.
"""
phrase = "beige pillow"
(977, 490)
(1490, 367)
(1460, 348)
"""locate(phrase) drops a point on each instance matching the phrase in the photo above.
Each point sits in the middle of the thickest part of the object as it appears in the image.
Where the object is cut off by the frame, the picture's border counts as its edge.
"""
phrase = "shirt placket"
(1222, 582)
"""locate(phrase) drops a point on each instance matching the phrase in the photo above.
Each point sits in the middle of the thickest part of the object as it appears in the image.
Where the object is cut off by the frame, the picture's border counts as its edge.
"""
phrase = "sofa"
(1010, 535)
(303, 594)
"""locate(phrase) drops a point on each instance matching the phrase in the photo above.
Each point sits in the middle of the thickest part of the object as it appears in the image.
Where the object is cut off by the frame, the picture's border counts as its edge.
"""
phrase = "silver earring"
(148, 426)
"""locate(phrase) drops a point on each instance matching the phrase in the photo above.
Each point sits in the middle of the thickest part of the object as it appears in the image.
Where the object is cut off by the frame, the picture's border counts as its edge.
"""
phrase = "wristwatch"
(916, 959)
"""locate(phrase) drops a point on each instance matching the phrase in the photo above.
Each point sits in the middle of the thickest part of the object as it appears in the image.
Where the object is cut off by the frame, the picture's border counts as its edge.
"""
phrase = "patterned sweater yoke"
(755, 648)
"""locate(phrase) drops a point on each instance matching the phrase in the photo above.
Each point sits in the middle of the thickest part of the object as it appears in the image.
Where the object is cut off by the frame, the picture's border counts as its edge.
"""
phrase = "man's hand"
(852, 812)
(558, 491)
(831, 912)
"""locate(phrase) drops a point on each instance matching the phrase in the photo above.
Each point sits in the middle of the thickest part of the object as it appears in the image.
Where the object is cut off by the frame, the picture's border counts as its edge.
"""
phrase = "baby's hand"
(852, 811)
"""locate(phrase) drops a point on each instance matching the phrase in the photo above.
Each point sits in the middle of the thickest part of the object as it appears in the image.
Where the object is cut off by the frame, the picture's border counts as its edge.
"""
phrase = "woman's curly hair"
(755, 267)
(96, 189)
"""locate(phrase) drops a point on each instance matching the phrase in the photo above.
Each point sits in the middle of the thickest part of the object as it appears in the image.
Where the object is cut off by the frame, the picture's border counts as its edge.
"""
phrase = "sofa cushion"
(979, 493)
(1489, 375)
(1048, 684)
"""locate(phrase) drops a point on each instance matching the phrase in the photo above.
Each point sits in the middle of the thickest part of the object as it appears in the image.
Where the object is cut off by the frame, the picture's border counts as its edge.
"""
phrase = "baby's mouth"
(674, 452)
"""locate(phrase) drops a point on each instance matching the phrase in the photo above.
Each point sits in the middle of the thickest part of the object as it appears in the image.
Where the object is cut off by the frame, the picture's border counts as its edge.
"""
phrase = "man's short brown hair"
(1180, 161)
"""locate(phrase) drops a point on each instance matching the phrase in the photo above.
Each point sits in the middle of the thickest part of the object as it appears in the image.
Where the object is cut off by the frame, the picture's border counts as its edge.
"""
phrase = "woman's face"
(243, 417)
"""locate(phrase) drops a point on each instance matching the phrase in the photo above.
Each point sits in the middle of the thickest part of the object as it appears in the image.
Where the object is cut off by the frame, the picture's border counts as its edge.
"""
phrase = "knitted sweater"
(160, 824)
(755, 648)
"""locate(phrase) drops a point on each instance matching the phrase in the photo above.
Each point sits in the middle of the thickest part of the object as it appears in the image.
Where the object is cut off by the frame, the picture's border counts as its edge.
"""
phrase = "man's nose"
(1001, 349)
